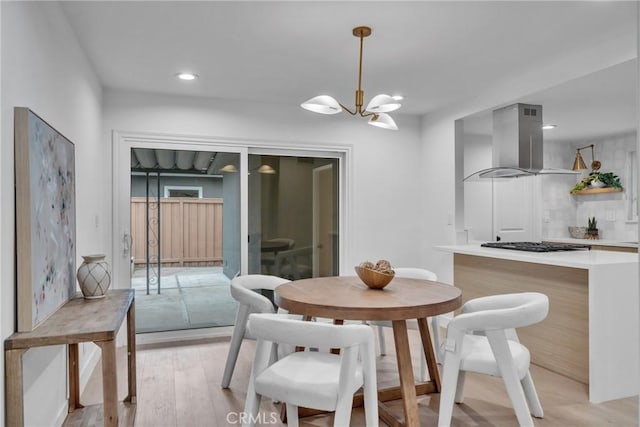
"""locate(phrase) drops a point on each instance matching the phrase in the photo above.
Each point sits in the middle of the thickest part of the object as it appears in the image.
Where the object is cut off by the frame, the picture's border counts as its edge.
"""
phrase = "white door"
(515, 209)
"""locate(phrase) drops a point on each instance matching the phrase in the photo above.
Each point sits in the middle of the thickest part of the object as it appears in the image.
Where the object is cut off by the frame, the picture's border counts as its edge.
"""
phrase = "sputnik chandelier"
(377, 108)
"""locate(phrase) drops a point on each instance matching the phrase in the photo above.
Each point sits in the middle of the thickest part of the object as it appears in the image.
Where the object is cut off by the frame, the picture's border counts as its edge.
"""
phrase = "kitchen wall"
(443, 152)
(561, 209)
(478, 197)
(44, 68)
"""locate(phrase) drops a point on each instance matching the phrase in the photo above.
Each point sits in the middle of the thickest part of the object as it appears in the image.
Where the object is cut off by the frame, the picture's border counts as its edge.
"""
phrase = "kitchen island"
(591, 332)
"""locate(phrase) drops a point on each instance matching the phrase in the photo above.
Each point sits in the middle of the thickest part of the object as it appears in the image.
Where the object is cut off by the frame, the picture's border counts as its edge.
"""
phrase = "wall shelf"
(597, 191)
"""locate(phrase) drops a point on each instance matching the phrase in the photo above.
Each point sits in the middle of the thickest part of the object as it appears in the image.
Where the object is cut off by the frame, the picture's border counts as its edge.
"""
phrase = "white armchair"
(496, 352)
(312, 379)
(243, 290)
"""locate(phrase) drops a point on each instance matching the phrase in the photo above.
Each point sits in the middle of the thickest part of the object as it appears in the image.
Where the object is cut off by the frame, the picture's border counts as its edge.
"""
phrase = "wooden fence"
(190, 231)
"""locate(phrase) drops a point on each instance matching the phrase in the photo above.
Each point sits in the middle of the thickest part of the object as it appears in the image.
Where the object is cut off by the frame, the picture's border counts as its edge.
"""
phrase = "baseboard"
(62, 414)
(187, 336)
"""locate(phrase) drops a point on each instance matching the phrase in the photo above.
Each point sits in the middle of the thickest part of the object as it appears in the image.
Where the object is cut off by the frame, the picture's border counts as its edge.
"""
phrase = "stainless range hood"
(517, 144)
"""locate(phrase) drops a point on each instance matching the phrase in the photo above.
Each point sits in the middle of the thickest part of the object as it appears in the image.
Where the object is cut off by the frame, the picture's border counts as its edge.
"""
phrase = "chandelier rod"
(360, 32)
(359, 92)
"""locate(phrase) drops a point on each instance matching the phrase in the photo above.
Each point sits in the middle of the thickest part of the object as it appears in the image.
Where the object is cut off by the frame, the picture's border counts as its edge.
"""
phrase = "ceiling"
(434, 53)
(592, 106)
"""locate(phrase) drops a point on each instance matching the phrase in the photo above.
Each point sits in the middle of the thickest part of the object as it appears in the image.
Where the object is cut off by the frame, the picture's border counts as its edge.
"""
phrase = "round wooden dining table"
(348, 298)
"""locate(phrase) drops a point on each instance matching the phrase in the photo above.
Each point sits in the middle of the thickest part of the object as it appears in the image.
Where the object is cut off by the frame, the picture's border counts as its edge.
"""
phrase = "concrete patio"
(189, 298)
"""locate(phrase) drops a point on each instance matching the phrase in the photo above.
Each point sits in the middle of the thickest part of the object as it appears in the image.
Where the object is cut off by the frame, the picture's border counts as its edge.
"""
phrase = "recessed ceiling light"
(186, 76)
(398, 97)
(547, 127)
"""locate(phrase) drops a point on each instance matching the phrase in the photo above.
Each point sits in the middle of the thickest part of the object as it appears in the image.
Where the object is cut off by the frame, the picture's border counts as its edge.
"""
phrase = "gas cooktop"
(535, 246)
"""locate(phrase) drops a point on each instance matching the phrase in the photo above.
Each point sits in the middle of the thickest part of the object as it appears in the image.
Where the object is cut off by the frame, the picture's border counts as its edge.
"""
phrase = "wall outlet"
(610, 215)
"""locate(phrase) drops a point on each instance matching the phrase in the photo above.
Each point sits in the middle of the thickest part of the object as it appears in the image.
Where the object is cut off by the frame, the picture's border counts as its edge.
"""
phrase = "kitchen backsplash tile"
(561, 209)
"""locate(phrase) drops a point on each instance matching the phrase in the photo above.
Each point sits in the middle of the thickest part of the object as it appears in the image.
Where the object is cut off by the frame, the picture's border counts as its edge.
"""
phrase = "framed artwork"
(45, 219)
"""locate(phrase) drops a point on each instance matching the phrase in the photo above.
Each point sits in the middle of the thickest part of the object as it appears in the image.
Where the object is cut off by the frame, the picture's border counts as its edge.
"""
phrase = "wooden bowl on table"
(372, 278)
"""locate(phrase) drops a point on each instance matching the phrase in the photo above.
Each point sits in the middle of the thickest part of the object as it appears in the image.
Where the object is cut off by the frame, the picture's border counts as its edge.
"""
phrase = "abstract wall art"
(45, 219)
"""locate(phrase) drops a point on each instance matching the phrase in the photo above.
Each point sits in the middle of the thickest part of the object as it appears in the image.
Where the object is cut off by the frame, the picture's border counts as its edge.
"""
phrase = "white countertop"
(576, 259)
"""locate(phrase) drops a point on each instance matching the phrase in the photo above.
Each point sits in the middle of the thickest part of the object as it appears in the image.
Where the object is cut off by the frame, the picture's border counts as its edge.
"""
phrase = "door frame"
(315, 209)
(123, 142)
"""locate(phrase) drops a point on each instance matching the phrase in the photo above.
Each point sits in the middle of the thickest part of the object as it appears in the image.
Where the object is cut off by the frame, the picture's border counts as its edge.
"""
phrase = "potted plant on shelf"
(592, 229)
(597, 180)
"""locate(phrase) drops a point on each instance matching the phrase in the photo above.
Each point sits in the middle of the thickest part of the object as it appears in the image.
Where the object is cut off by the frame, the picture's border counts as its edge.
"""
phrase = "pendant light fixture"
(377, 108)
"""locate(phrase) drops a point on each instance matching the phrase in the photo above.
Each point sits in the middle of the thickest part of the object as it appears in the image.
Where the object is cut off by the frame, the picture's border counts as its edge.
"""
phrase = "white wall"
(43, 68)
(385, 182)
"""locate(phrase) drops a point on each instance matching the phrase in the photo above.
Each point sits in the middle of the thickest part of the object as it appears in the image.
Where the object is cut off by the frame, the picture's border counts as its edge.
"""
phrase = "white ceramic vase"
(94, 276)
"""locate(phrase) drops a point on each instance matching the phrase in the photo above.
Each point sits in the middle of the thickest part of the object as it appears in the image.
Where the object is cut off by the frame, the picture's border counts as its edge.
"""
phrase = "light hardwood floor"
(179, 386)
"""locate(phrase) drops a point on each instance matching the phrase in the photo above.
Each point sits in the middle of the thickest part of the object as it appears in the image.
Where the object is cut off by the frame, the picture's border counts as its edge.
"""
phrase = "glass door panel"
(293, 216)
(185, 235)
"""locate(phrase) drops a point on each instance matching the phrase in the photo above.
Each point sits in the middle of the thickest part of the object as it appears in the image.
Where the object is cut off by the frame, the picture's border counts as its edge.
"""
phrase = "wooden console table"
(79, 320)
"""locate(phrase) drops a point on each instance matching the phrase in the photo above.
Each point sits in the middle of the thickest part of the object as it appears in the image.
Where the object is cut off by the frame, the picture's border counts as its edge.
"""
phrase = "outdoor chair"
(294, 264)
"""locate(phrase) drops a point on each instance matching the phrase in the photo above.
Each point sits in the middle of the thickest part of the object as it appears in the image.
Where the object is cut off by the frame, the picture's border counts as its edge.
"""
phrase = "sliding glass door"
(186, 208)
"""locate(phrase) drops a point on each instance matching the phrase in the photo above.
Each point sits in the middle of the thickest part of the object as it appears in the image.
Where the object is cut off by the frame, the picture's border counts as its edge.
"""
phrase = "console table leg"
(74, 377)
(131, 352)
(109, 382)
(13, 387)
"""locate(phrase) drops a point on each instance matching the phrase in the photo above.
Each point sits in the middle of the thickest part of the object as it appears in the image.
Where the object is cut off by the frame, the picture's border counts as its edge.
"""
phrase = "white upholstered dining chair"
(244, 289)
(312, 379)
(483, 339)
